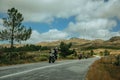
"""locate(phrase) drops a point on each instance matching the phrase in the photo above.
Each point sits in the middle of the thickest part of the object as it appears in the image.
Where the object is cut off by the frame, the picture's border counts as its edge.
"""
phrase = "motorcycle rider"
(52, 56)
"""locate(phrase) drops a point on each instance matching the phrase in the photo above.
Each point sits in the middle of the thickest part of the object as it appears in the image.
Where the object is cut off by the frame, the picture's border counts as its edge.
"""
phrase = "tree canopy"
(65, 49)
(14, 30)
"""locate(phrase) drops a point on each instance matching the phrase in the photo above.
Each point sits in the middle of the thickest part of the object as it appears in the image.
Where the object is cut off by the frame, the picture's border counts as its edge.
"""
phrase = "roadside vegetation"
(33, 53)
(24, 54)
(106, 68)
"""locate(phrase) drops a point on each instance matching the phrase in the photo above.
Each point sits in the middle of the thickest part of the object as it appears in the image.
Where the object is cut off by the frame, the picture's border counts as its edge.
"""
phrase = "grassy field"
(28, 57)
(23, 57)
(104, 69)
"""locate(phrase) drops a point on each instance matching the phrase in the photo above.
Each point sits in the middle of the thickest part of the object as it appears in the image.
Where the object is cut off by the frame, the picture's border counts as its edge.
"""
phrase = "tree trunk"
(12, 35)
(12, 42)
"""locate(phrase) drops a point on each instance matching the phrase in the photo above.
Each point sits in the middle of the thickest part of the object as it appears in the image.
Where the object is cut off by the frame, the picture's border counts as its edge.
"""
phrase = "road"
(60, 70)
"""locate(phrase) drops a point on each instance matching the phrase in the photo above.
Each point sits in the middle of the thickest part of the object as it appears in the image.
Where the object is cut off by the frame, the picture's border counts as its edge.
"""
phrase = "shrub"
(117, 62)
(106, 53)
(91, 53)
(72, 56)
(101, 53)
(43, 59)
(65, 49)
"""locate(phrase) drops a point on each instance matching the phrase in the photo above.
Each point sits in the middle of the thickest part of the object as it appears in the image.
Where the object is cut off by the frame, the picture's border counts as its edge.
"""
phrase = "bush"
(72, 56)
(117, 62)
(65, 49)
(43, 59)
(101, 53)
(28, 47)
(91, 53)
(106, 53)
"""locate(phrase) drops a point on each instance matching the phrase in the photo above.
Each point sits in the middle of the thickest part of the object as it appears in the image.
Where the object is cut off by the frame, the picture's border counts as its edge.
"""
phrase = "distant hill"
(115, 38)
(74, 41)
(112, 43)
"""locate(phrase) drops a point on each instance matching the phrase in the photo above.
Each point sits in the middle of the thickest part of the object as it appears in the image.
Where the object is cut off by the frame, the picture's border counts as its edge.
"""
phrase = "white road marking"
(23, 72)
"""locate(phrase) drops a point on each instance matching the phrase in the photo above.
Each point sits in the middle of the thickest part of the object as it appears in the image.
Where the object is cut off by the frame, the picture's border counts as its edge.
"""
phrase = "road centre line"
(23, 72)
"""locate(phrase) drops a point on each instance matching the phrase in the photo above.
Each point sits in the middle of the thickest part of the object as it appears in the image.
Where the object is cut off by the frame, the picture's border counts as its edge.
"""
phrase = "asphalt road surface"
(60, 70)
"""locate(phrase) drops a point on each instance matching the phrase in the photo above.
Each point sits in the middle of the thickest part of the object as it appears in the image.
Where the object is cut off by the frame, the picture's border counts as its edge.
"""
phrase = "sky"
(53, 20)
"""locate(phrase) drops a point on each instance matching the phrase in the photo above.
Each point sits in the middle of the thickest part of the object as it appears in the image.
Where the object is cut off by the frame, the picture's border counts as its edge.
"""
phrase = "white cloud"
(93, 17)
(110, 9)
(42, 10)
(54, 34)
(97, 28)
(51, 35)
(94, 24)
(46, 10)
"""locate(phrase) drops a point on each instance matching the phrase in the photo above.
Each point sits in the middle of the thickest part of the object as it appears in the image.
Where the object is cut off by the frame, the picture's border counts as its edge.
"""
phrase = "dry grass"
(103, 69)
(112, 51)
(56, 43)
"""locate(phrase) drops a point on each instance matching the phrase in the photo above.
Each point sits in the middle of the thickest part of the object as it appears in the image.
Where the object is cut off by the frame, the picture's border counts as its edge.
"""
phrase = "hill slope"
(113, 43)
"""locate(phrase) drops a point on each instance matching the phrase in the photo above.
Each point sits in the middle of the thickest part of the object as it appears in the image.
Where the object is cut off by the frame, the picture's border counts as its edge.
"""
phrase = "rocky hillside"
(75, 41)
(114, 39)
(112, 43)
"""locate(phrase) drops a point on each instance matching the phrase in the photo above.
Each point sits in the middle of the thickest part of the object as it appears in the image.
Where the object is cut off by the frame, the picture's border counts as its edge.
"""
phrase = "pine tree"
(14, 30)
(65, 49)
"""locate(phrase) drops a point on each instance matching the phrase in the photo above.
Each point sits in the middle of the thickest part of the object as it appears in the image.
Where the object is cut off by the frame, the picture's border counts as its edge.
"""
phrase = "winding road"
(60, 70)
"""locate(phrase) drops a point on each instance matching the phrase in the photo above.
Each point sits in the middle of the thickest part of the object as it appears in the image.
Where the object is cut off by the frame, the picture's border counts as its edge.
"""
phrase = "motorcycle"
(51, 59)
